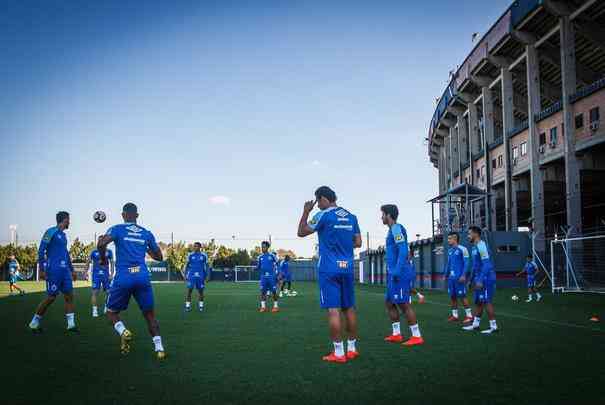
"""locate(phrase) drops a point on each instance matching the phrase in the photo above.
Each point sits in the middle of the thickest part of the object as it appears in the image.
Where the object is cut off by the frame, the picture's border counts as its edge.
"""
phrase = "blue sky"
(220, 118)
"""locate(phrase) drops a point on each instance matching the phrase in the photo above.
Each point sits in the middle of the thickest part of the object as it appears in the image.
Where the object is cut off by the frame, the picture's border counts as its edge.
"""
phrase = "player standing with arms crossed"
(338, 234)
(531, 268)
(13, 275)
(100, 275)
(455, 274)
(132, 277)
(55, 266)
(399, 276)
(267, 266)
(484, 279)
(196, 271)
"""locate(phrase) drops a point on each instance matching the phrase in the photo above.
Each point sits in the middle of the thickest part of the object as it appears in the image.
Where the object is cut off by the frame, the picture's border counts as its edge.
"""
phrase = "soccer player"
(484, 280)
(455, 274)
(399, 275)
(55, 266)
(196, 271)
(286, 276)
(338, 233)
(531, 268)
(413, 289)
(132, 278)
(267, 267)
(13, 275)
(100, 275)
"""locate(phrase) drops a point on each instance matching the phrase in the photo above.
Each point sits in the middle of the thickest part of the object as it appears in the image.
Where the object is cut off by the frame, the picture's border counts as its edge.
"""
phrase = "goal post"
(246, 274)
(577, 264)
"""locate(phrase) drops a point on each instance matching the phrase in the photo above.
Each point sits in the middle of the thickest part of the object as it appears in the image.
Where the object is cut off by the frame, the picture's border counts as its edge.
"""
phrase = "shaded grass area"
(546, 352)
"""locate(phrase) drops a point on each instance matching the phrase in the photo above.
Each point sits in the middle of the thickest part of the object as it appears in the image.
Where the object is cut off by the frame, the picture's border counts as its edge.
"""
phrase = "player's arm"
(304, 228)
(153, 249)
(357, 242)
(42, 254)
(485, 265)
(465, 265)
(112, 266)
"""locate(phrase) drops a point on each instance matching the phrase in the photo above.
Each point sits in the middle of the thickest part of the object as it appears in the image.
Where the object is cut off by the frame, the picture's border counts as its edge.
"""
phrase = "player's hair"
(456, 235)
(197, 244)
(265, 243)
(287, 258)
(476, 230)
(130, 208)
(391, 210)
(62, 216)
(530, 256)
(325, 191)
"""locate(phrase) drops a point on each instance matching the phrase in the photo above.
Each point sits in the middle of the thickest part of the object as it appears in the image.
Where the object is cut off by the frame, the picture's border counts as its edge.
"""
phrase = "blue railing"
(518, 129)
(553, 109)
(444, 101)
(499, 140)
(521, 9)
(587, 91)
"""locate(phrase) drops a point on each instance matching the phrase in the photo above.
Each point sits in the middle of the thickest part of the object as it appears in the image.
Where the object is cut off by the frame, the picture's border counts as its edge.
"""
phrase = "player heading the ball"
(132, 279)
(338, 234)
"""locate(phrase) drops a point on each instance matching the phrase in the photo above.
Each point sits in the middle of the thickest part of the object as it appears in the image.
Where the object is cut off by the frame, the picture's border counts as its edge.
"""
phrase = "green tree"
(177, 256)
(79, 252)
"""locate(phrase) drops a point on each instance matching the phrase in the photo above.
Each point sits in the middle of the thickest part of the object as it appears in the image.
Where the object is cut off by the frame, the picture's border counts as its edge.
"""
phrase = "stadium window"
(478, 173)
(553, 135)
(500, 161)
(494, 163)
(595, 115)
(515, 152)
(579, 121)
(523, 148)
(542, 138)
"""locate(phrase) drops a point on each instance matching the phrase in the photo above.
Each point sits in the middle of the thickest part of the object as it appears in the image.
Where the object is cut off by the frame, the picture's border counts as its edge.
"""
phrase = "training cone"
(595, 318)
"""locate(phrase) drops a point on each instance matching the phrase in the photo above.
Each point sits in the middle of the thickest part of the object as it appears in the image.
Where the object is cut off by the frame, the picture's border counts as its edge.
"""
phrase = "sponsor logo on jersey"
(134, 228)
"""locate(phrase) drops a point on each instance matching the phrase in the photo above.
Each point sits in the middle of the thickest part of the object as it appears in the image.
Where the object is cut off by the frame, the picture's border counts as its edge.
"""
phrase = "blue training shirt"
(336, 228)
(396, 255)
(457, 261)
(132, 242)
(53, 251)
(531, 268)
(483, 268)
(267, 265)
(97, 268)
(197, 265)
(12, 266)
(283, 268)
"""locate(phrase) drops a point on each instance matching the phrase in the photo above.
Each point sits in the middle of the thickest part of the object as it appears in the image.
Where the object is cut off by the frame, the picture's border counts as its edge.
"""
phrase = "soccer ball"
(514, 298)
(99, 217)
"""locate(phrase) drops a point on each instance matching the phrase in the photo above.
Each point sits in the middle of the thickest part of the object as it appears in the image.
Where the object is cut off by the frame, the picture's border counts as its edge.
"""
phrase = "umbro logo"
(341, 213)
(134, 228)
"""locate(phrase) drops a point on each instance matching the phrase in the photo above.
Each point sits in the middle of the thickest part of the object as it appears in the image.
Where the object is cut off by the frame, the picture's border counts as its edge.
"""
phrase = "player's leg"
(478, 313)
(330, 296)
(67, 289)
(143, 294)
(93, 300)
(468, 313)
(489, 291)
(200, 293)
(117, 301)
(289, 286)
(263, 296)
(34, 325)
(394, 317)
(105, 285)
(538, 295)
(350, 314)
(188, 292)
(410, 316)
(275, 297)
(451, 291)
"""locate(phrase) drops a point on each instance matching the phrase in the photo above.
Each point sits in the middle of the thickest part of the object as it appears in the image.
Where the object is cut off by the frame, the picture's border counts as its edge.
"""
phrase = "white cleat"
(489, 331)
(539, 298)
(528, 300)
(470, 327)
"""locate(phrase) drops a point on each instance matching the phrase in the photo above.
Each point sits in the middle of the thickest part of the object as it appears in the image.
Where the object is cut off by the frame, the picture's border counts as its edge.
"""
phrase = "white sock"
(492, 324)
(157, 342)
(187, 304)
(529, 297)
(468, 311)
(201, 304)
(476, 321)
(339, 348)
(455, 313)
(71, 320)
(396, 328)
(420, 296)
(119, 327)
(263, 304)
(538, 295)
(351, 345)
(415, 330)
(95, 309)
(36, 321)
(105, 309)
(275, 305)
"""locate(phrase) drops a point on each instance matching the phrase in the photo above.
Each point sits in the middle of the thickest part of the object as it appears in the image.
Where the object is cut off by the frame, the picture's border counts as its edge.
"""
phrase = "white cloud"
(315, 163)
(219, 200)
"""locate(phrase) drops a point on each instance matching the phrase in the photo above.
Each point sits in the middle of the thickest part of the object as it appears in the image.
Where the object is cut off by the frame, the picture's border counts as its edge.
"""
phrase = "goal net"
(577, 264)
(246, 274)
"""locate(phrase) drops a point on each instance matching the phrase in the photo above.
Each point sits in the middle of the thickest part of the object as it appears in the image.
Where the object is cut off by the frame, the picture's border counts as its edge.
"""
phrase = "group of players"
(338, 235)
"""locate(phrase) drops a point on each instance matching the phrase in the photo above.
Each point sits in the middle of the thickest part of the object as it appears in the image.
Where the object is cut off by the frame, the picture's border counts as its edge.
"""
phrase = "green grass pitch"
(546, 352)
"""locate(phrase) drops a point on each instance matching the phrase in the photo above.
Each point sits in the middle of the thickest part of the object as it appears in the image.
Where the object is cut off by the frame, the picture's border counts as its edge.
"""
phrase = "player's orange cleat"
(352, 355)
(262, 310)
(467, 320)
(394, 339)
(275, 309)
(452, 318)
(421, 299)
(413, 341)
(333, 358)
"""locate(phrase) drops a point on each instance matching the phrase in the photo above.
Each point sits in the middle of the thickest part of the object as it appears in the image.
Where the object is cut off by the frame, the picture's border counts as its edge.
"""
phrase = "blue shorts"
(286, 277)
(59, 282)
(124, 287)
(99, 282)
(268, 284)
(456, 289)
(486, 295)
(196, 282)
(398, 292)
(531, 282)
(13, 278)
(336, 290)
(413, 282)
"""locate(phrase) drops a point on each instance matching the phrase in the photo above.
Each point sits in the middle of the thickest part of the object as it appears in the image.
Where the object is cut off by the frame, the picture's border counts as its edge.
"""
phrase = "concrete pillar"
(488, 138)
(514, 206)
(463, 140)
(473, 139)
(508, 123)
(451, 154)
(534, 106)
(572, 163)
